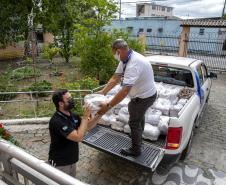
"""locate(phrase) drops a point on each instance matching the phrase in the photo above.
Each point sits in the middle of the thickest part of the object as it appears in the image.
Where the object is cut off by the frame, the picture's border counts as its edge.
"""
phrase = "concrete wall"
(32, 135)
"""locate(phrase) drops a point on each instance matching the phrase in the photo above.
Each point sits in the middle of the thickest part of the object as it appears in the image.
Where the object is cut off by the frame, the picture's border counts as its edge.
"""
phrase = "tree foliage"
(92, 44)
(96, 54)
(96, 58)
(59, 17)
(14, 20)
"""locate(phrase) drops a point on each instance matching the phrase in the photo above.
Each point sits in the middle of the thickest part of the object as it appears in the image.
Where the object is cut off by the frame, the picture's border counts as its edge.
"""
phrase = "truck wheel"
(187, 150)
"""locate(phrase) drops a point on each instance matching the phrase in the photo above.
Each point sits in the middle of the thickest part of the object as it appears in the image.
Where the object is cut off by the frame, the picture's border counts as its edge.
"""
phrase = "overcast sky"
(182, 8)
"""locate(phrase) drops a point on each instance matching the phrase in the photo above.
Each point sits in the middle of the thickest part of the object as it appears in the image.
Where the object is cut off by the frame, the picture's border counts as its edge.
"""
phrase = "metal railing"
(29, 105)
(211, 47)
(17, 167)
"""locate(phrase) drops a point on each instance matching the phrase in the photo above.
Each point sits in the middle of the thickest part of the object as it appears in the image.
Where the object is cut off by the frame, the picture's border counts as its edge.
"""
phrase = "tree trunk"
(26, 44)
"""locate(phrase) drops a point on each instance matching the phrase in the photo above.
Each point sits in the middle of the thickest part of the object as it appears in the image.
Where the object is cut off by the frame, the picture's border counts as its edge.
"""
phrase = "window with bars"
(201, 31)
(149, 30)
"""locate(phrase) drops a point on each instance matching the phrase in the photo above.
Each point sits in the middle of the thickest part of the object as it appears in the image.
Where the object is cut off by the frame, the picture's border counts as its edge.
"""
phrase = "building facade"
(164, 32)
(153, 10)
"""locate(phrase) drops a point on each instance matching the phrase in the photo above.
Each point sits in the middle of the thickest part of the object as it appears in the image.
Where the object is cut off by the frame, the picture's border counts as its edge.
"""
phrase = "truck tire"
(187, 149)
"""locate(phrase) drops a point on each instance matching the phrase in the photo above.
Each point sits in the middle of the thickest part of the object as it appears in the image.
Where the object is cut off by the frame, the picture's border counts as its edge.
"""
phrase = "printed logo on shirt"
(65, 128)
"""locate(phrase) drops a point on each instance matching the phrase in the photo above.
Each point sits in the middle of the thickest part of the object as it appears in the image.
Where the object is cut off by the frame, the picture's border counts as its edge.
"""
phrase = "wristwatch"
(109, 106)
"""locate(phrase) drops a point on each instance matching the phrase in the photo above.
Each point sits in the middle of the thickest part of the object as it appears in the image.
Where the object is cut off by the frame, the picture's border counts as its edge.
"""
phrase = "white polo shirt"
(138, 75)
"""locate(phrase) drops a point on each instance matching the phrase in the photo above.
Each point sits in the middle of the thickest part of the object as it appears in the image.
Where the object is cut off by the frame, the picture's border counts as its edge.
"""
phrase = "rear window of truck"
(171, 75)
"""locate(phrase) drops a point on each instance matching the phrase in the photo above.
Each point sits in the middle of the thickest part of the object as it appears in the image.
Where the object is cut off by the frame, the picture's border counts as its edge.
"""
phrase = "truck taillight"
(173, 138)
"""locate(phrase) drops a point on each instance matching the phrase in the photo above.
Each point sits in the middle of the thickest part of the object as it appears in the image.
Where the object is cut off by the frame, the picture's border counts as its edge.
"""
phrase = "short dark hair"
(58, 96)
(119, 44)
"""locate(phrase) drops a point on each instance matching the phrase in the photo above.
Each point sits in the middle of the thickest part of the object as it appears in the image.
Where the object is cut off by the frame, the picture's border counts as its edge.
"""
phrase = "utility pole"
(223, 9)
(120, 9)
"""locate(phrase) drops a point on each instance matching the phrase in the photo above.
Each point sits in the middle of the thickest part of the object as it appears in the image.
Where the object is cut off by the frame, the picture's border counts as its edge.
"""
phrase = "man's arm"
(77, 135)
(115, 79)
(117, 99)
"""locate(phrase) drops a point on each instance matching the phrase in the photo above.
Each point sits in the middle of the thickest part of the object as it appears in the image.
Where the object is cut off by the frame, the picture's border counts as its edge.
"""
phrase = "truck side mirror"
(212, 75)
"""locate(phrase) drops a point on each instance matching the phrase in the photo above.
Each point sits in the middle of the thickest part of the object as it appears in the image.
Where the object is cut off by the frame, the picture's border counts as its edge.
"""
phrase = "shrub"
(41, 86)
(137, 44)
(73, 86)
(88, 83)
(4, 134)
(97, 59)
(45, 108)
(49, 52)
(24, 72)
(6, 86)
(96, 54)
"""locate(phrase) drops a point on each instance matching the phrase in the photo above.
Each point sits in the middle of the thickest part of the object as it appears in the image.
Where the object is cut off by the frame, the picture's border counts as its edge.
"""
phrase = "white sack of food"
(105, 120)
(109, 97)
(123, 118)
(163, 124)
(170, 94)
(127, 129)
(118, 128)
(152, 116)
(116, 110)
(163, 105)
(116, 125)
(123, 103)
(91, 96)
(175, 109)
(123, 115)
(182, 101)
(115, 90)
(159, 86)
(151, 132)
(95, 100)
(124, 110)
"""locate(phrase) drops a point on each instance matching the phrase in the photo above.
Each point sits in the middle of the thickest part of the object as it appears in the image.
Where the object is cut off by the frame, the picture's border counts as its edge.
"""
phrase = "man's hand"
(93, 122)
(103, 109)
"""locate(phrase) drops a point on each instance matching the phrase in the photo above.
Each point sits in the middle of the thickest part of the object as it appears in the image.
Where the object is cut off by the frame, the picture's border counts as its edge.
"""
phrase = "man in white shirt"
(136, 76)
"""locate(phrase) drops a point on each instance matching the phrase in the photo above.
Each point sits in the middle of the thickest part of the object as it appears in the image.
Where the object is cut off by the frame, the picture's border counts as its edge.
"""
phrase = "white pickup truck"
(176, 143)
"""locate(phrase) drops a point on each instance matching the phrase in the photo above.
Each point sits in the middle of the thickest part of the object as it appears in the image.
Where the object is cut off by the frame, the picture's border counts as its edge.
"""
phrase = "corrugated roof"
(206, 22)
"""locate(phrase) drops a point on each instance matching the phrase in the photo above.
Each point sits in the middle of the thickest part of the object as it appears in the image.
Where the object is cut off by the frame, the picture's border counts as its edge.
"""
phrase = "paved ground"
(209, 144)
(206, 164)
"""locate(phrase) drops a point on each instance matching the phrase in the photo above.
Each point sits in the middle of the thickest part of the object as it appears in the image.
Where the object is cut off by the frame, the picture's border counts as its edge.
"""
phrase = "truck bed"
(110, 141)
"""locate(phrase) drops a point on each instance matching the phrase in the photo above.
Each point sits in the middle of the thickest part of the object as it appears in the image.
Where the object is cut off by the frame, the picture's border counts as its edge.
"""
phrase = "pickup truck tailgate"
(112, 142)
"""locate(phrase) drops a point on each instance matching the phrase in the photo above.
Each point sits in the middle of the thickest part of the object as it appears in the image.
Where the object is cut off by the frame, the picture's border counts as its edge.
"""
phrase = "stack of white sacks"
(156, 118)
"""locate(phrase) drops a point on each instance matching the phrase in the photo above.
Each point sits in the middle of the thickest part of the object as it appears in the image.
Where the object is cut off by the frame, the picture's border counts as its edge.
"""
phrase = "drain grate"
(112, 142)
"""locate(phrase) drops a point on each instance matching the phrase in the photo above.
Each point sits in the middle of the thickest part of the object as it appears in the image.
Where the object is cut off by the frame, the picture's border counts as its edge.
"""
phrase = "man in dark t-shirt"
(66, 130)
